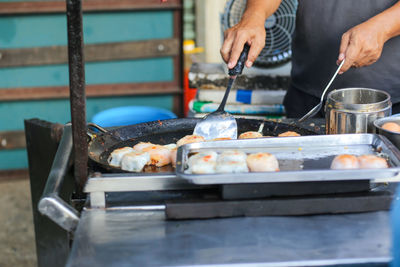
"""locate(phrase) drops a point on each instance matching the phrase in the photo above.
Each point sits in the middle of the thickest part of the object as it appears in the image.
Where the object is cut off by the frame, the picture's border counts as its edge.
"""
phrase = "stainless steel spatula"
(221, 124)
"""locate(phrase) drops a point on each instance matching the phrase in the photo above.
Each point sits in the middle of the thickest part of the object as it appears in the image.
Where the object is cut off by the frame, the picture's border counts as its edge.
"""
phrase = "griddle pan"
(166, 132)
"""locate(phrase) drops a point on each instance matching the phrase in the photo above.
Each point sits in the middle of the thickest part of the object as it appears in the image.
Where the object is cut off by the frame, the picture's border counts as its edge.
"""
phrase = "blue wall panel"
(13, 159)
(20, 0)
(144, 70)
(47, 30)
(59, 110)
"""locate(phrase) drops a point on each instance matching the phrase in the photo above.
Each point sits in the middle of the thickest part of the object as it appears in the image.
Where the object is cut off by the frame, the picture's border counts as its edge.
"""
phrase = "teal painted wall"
(51, 29)
(20, 0)
(59, 110)
(145, 70)
(46, 30)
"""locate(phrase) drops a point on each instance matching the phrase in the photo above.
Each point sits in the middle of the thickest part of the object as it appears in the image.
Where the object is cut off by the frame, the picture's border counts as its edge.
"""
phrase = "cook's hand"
(361, 45)
(249, 30)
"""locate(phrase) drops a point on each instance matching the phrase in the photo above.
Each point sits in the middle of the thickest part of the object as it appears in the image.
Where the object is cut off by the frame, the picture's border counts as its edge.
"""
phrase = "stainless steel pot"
(392, 136)
(353, 110)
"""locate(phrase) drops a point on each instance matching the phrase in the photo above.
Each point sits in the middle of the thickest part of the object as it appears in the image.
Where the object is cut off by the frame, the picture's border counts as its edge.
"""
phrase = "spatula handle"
(228, 89)
(241, 61)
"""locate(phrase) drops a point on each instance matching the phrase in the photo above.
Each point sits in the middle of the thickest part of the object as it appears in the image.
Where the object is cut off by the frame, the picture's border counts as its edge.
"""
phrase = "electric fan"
(279, 27)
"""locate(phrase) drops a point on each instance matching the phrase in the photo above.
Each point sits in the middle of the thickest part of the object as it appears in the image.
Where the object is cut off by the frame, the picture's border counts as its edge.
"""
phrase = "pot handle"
(51, 204)
(91, 133)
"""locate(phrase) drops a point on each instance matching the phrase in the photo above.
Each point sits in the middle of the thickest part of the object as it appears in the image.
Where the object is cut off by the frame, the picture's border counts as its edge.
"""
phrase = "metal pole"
(77, 91)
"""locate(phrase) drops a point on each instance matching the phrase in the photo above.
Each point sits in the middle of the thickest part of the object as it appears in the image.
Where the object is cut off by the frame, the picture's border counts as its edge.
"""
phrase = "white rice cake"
(142, 145)
(135, 161)
(231, 167)
(203, 163)
(231, 161)
(116, 156)
(262, 162)
(159, 155)
(232, 155)
(170, 146)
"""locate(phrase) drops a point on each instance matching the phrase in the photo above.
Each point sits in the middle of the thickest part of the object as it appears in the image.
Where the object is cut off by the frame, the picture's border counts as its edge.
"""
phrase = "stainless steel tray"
(301, 159)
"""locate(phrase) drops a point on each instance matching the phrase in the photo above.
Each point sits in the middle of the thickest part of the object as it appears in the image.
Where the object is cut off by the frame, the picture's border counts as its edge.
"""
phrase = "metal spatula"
(221, 124)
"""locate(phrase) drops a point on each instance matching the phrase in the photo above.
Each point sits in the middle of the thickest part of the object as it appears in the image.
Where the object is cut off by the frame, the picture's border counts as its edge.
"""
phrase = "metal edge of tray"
(339, 139)
(381, 175)
(390, 175)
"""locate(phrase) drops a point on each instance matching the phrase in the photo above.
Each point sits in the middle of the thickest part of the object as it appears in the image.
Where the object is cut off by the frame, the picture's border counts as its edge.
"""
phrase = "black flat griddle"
(166, 132)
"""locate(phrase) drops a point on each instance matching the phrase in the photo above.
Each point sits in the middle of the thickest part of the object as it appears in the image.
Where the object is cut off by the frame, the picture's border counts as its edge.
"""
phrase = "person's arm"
(362, 45)
(250, 30)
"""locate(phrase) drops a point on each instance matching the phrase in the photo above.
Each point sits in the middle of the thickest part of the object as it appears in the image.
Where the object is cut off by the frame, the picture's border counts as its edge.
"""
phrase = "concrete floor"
(17, 238)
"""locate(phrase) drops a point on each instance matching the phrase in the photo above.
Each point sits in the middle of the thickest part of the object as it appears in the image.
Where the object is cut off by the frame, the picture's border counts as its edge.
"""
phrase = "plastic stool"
(129, 115)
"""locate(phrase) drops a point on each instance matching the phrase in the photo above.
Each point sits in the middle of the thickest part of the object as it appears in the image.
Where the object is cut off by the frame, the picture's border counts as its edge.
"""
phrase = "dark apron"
(319, 27)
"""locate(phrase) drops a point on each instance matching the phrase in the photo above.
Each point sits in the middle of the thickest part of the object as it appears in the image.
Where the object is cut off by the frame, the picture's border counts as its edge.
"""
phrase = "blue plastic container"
(129, 115)
(395, 221)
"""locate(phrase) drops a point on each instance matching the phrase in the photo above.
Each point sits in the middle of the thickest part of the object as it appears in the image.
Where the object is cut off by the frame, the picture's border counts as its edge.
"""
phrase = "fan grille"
(279, 28)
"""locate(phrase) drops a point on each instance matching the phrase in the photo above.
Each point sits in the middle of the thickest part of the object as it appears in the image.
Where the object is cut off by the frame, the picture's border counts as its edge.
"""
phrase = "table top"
(124, 237)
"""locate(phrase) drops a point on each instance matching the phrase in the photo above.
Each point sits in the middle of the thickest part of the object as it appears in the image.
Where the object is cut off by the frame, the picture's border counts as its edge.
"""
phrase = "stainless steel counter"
(122, 236)
(144, 238)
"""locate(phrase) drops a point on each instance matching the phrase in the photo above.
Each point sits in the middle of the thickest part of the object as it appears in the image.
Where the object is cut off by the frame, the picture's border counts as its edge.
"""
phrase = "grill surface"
(170, 131)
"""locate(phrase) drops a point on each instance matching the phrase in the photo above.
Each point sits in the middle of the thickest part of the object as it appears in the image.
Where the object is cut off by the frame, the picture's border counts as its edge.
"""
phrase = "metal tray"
(301, 159)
